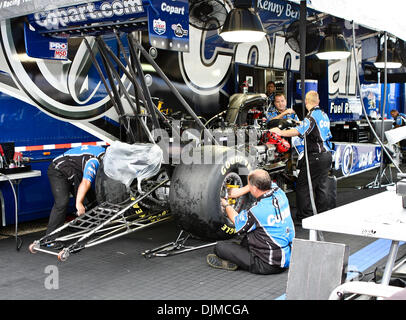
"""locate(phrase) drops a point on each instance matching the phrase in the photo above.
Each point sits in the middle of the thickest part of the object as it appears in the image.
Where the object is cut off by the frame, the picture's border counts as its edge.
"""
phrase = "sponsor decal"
(350, 159)
(343, 107)
(237, 160)
(58, 46)
(86, 13)
(60, 49)
(172, 9)
(168, 25)
(159, 26)
(279, 9)
(179, 31)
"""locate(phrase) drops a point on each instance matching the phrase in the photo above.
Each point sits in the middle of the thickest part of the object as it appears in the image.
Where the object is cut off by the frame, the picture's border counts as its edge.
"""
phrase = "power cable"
(19, 241)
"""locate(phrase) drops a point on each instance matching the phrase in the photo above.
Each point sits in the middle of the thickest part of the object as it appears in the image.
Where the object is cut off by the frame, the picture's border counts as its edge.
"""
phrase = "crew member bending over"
(75, 169)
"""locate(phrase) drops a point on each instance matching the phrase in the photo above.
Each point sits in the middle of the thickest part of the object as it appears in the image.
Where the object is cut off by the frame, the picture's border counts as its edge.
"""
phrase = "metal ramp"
(103, 223)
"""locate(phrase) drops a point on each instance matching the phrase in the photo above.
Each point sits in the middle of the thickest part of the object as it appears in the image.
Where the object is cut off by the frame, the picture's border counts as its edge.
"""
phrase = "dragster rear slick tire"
(196, 191)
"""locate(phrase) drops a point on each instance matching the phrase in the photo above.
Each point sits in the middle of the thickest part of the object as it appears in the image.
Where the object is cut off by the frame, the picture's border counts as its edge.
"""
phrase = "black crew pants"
(240, 255)
(61, 188)
(319, 164)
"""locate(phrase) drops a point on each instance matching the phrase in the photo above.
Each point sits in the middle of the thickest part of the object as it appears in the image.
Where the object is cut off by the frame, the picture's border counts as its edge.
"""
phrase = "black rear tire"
(196, 190)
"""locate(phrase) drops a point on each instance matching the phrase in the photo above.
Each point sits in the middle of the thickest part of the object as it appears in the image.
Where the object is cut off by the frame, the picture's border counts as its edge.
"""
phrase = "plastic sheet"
(126, 162)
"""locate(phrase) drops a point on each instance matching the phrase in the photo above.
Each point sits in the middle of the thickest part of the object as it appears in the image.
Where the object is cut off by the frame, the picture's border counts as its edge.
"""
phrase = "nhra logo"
(159, 26)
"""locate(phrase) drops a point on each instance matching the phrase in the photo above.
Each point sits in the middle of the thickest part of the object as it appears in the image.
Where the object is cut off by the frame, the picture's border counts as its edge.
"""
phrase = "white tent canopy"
(388, 15)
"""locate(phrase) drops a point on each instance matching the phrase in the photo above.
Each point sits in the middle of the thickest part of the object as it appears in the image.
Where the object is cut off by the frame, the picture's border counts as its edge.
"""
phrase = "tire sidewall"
(195, 195)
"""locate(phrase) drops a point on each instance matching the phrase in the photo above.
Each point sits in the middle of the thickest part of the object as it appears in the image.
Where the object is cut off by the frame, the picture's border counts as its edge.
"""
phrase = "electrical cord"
(19, 241)
(361, 275)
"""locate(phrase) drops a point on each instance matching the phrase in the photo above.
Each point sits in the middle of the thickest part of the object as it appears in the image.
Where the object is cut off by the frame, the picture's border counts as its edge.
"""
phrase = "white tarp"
(126, 162)
(388, 15)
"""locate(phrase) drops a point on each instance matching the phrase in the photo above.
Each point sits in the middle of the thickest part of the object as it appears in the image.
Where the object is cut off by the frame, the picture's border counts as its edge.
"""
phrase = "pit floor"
(117, 270)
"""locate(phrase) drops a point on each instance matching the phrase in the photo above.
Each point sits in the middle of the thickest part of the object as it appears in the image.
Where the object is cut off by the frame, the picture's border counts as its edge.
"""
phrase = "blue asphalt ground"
(117, 270)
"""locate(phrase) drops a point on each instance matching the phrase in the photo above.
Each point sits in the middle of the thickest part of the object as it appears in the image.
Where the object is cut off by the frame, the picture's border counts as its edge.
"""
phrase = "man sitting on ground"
(267, 228)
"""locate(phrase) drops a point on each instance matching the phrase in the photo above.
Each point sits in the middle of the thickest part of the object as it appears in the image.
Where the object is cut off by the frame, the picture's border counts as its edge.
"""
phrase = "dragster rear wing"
(167, 22)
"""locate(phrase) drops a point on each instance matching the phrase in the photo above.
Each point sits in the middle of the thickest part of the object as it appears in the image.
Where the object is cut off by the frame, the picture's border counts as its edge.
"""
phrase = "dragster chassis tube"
(173, 89)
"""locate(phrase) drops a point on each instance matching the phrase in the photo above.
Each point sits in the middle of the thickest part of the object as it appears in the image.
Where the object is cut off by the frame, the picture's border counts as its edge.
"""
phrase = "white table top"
(22, 175)
(378, 216)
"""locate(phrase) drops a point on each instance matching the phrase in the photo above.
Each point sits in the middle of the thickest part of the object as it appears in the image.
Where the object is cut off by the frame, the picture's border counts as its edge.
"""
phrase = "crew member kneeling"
(267, 227)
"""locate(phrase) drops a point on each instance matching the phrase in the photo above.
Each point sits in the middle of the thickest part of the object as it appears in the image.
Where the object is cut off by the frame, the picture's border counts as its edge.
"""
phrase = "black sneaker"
(216, 262)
